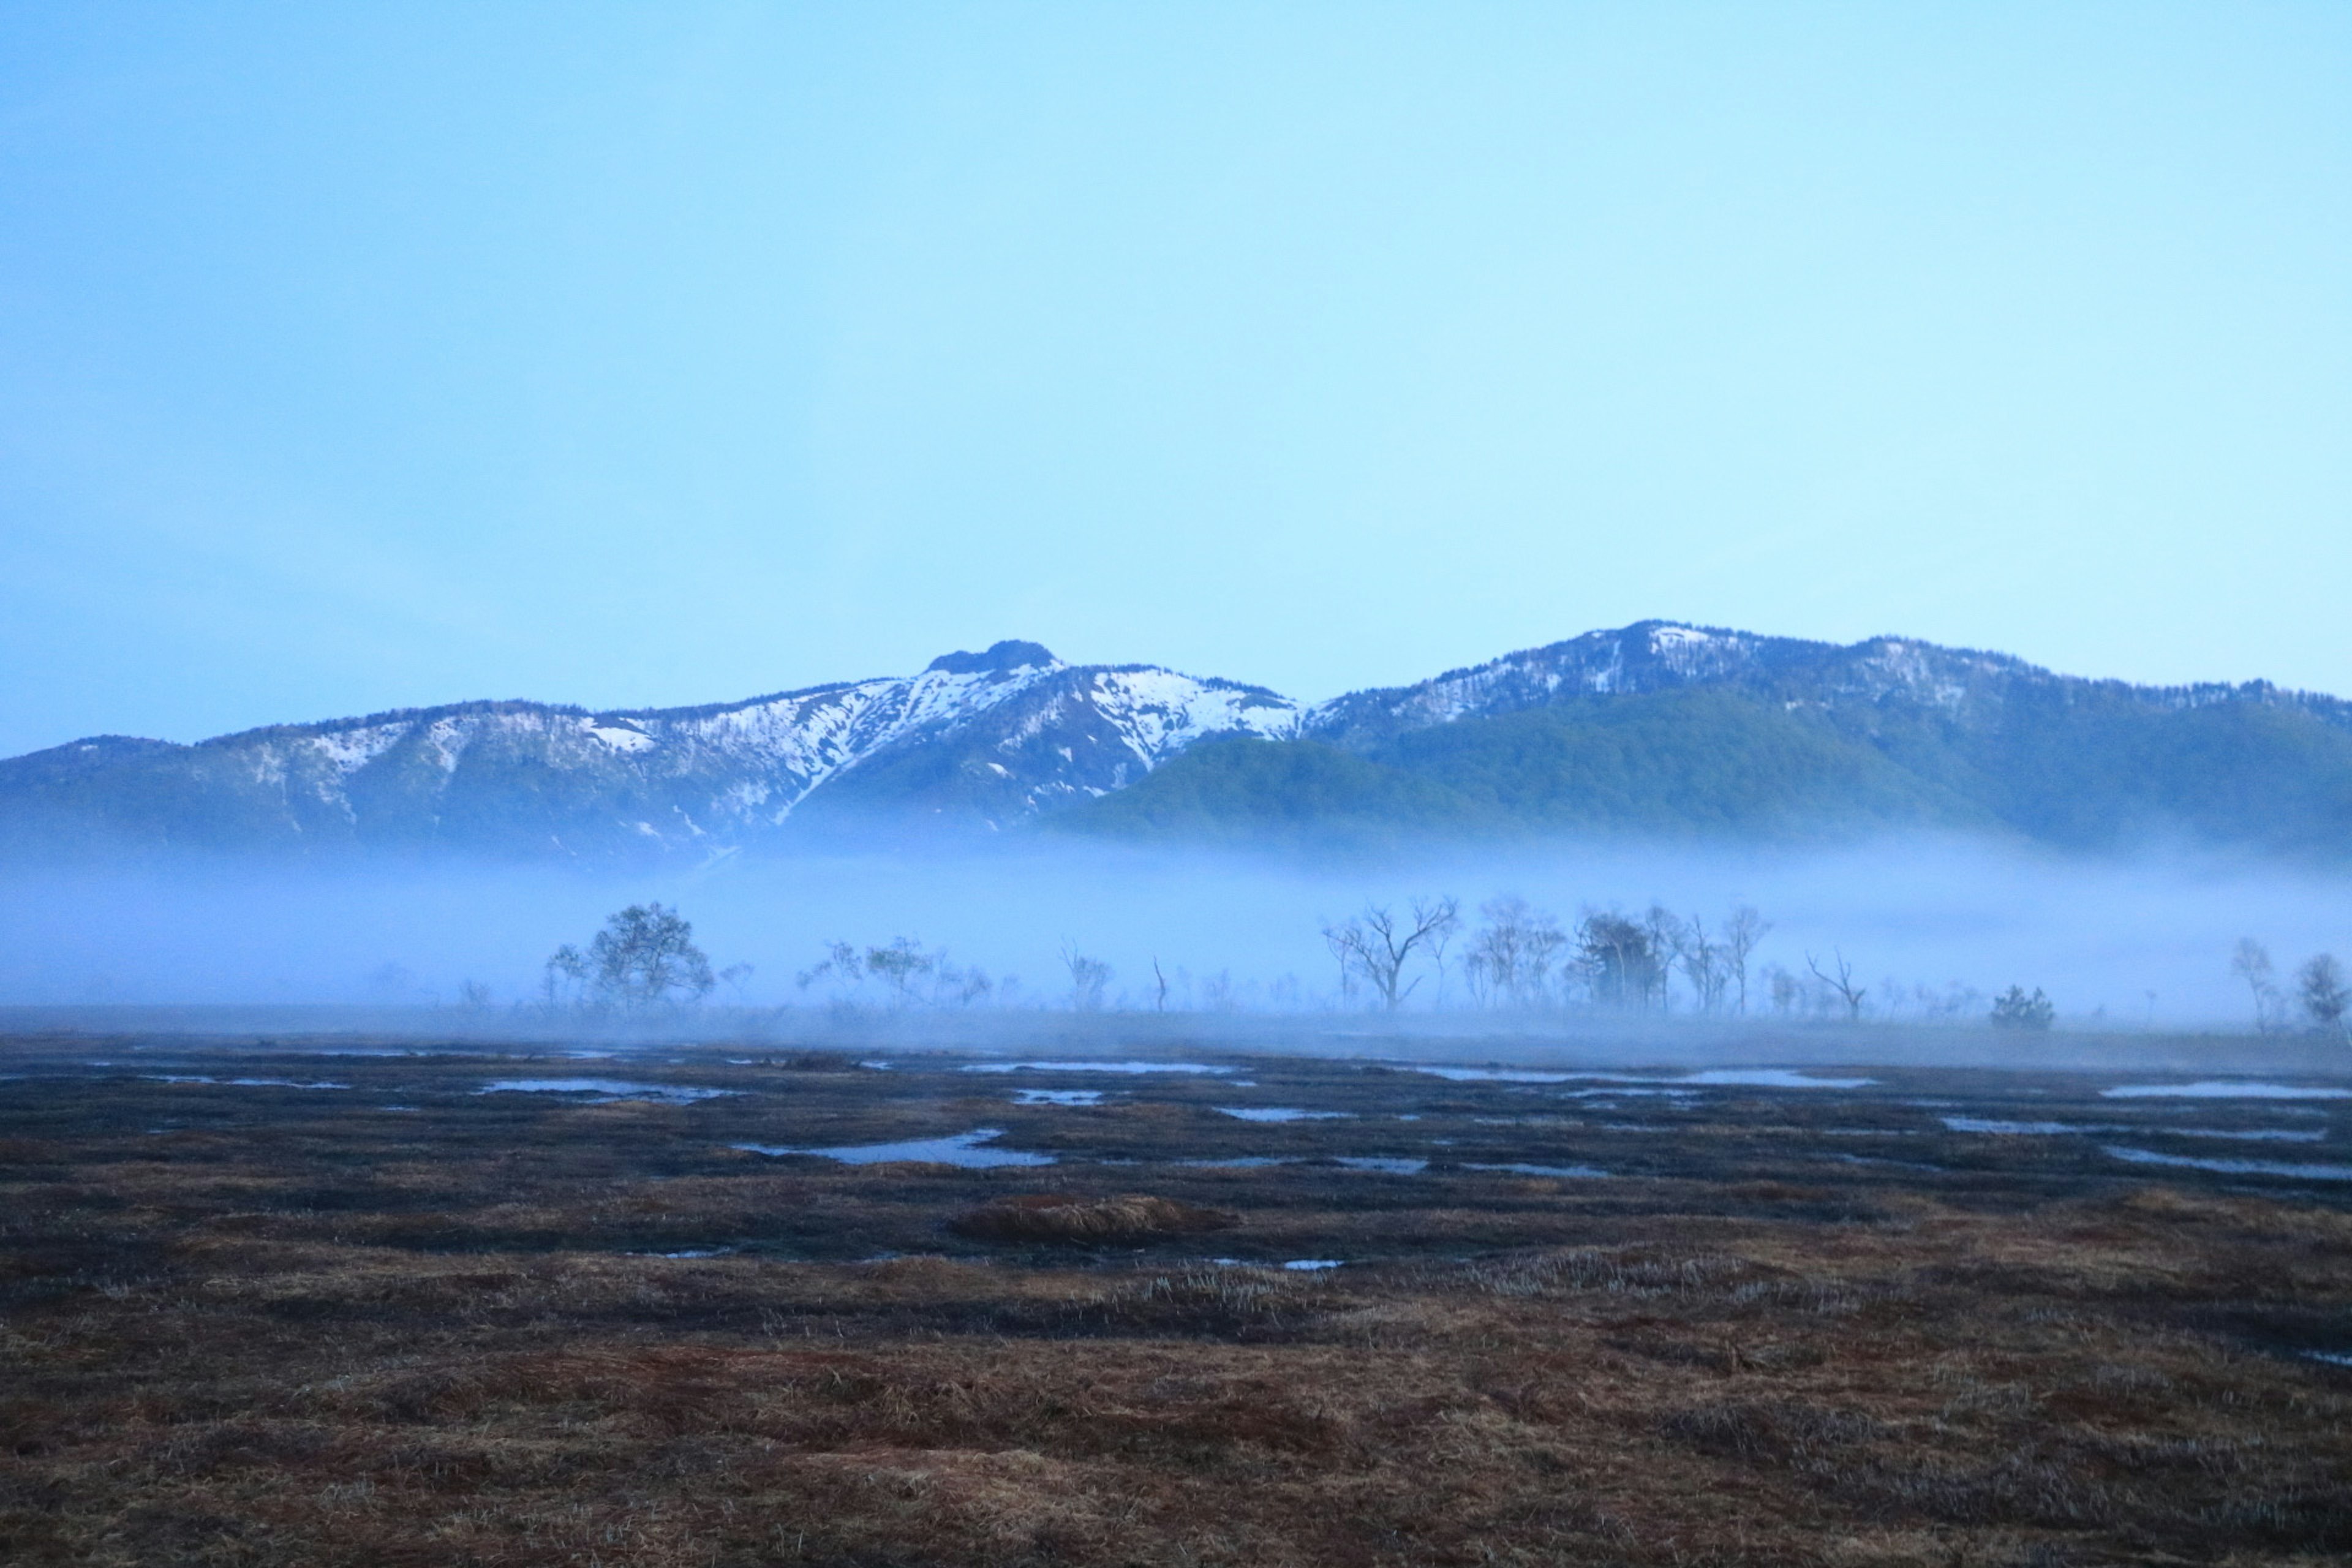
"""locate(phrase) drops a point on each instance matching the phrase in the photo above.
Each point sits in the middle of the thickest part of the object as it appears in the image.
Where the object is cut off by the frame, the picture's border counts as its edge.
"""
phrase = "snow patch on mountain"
(720, 772)
(987, 739)
(620, 734)
(348, 750)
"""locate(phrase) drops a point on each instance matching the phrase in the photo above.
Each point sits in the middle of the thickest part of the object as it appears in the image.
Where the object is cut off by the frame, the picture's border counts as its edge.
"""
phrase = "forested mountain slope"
(1658, 729)
(1662, 728)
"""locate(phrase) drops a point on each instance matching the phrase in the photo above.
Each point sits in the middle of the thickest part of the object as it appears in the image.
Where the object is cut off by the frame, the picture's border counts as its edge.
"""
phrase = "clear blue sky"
(355, 356)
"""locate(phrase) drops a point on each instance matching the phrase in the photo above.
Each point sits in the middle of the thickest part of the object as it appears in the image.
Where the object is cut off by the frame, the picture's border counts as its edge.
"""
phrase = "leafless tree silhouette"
(1376, 946)
(1842, 984)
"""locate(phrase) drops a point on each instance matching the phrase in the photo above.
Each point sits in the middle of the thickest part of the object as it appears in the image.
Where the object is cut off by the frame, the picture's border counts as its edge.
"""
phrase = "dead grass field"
(261, 1324)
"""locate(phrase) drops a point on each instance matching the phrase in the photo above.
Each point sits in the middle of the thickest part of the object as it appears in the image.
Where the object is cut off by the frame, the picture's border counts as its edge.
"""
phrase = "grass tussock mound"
(1056, 1216)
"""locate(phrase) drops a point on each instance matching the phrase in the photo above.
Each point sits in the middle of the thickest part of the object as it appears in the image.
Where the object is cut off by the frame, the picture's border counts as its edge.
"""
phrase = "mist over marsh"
(2120, 943)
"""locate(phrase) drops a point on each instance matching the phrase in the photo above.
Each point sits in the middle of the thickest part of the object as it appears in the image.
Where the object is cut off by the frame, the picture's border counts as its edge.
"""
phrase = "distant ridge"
(1656, 729)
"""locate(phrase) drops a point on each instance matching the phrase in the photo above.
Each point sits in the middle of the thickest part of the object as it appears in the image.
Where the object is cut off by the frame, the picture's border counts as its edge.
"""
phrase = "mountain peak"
(999, 657)
(1781, 733)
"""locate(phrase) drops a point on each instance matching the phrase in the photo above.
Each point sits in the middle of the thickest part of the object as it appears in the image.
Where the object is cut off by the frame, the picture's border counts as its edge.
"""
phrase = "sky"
(364, 356)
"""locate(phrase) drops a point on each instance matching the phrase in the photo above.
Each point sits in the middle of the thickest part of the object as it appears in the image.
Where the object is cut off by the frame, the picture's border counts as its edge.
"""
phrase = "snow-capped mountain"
(981, 740)
(1965, 686)
(1889, 730)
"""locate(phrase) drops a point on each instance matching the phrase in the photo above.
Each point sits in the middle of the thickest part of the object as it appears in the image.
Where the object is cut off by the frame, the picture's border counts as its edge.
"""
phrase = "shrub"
(2013, 1009)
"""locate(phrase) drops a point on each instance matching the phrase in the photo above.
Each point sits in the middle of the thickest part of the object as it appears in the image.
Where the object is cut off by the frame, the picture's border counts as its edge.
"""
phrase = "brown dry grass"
(319, 1335)
(1123, 1220)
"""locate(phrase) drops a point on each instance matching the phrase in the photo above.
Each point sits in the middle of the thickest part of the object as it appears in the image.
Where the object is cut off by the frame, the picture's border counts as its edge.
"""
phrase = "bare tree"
(1159, 986)
(563, 979)
(1953, 1000)
(1376, 946)
(1705, 964)
(2320, 986)
(1088, 976)
(2252, 964)
(954, 987)
(1217, 989)
(1666, 936)
(1842, 985)
(841, 963)
(905, 967)
(1439, 940)
(1741, 933)
(1509, 961)
(910, 975)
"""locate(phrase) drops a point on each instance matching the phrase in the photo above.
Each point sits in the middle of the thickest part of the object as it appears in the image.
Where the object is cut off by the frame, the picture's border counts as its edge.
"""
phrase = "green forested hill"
(2087, 767)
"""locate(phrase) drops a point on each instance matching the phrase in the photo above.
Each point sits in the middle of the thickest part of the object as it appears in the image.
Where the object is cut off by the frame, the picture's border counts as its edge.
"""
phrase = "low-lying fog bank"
(1004, 1037)
(1931, 930)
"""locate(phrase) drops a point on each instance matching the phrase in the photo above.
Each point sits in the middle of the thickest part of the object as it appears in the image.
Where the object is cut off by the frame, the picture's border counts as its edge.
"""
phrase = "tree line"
(1512, 957)
(2317, 995)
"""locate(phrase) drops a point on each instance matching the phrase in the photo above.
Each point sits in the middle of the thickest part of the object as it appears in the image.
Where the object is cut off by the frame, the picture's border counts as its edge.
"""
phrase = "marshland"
(367, 1301)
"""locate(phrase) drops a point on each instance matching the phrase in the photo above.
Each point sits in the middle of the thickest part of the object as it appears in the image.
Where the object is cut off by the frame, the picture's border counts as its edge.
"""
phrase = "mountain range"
(1656, 729)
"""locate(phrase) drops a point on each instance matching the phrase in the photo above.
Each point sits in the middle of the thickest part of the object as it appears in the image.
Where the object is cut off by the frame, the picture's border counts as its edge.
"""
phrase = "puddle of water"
(2218, 1089)
(1712, 1077)
(1383, 1164)
(1625, 1094)
(1309, 1265)
(1282, 1113)
(2044, 1129)
(1526, 1170)
(689, 1252)
(1057, 1097)
(2333, 1358)
(242, 1082)
(1194, 1068)
(1898, 1164)
(1503, 1075)
(1238, 1162)
(1769, 1078)
(2258, 1135)
(2236, 1167)
(963, 1149)
(2019, 1129)
(603, 1089)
